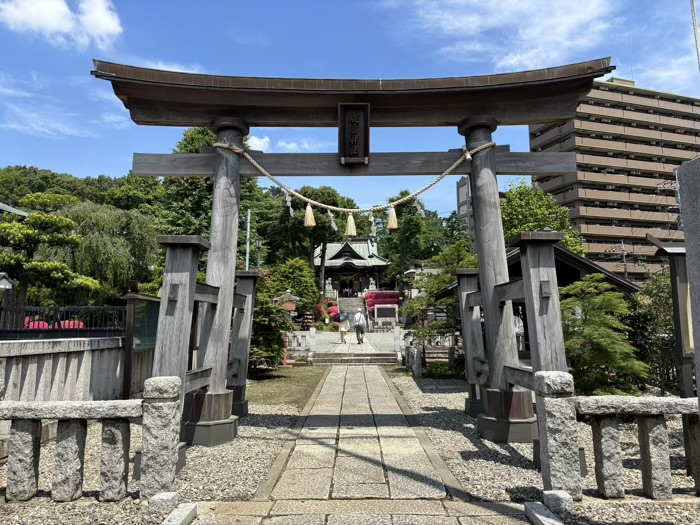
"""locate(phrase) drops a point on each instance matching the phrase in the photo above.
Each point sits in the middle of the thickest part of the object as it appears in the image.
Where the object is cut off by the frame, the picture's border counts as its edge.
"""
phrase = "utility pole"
(247, 243)
(624, 256)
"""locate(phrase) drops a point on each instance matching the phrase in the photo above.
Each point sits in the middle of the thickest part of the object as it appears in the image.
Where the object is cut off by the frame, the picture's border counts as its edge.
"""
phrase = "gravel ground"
(227, 472)
(234, 470)
(504, 472)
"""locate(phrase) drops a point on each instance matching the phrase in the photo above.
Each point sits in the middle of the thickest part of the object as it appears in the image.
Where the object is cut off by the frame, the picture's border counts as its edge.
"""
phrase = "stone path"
(356, 443)
(357, 459)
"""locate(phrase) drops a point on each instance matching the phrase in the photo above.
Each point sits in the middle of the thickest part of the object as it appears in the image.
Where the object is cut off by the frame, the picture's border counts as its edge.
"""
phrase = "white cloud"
(94, 22)
(11, 88)
(511, 34)
(114, 120)
(301, 146)
(259, 143)
(171, 66)
(44, 122)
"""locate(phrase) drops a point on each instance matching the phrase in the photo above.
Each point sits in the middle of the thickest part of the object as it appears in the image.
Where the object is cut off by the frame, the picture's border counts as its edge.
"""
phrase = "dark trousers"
(360, 332)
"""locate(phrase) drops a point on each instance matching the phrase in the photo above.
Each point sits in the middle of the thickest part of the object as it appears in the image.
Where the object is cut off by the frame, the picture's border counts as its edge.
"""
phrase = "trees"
(651, 321)
(527, 208)
(415, 240)
(597, 346)
(270, 321)
(26, 254)
(296, 275)
(458, 255)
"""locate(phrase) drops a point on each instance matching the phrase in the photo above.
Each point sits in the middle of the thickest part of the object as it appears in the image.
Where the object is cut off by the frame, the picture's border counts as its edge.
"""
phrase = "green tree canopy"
(597, 346)
(651, 320)
(527, 208)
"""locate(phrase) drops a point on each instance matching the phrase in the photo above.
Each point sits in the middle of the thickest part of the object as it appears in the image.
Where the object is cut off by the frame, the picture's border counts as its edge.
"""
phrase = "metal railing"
(57, 322)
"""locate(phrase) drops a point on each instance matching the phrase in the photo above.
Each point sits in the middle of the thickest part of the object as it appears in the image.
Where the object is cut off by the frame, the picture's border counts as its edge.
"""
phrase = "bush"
(442, 371)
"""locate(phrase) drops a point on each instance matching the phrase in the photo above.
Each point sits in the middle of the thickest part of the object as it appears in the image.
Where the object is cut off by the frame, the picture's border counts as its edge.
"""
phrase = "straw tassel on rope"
(309, 220)
(350, 230)
(393, 221)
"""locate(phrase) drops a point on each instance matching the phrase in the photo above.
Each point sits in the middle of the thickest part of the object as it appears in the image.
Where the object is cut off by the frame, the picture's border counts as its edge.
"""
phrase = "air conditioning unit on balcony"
(607, 136)
(629, 107)
(606, 120)
(633, 124)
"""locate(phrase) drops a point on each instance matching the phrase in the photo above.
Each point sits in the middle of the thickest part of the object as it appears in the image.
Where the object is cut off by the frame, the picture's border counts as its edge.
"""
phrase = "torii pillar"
(508, 414)
(211, 422)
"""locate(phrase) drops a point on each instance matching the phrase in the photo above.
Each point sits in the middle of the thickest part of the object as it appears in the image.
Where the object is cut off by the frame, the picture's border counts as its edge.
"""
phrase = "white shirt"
(359, 319)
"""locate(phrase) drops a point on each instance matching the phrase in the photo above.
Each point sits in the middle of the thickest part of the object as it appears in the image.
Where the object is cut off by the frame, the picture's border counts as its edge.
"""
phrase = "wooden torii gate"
(230, 105)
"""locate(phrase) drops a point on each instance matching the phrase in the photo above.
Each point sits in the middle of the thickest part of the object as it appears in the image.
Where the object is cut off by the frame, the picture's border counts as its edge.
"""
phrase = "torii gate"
(474, 105)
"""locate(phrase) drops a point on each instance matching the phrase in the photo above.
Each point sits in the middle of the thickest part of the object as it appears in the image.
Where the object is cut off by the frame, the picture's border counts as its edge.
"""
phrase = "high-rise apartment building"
(628, 142)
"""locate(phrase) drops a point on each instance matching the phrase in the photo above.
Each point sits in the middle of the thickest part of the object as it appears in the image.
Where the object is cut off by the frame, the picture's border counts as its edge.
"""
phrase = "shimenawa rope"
(466, 156)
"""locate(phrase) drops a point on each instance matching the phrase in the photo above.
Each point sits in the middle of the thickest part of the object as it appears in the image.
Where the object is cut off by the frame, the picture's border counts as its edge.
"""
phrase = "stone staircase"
(351, 304)
(349, 358)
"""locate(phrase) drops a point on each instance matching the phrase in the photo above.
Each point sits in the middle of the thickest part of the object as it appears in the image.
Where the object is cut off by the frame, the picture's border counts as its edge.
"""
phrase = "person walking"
(359, 323)
(344, 325)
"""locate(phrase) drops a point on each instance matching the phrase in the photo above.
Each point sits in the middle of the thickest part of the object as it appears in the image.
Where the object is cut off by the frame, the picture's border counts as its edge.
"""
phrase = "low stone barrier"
(160, 410)
(653, 440)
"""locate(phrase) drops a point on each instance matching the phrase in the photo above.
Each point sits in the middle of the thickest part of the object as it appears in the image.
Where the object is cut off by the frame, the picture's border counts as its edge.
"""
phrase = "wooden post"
(240, 349)
(176, 304)
(472, 338)
(221, 267)
(541, 294)
(508, 414)
(493, 268)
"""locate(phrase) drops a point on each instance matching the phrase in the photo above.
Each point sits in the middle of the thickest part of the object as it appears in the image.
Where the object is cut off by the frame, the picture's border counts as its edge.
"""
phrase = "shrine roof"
(356, 253)
(169, 98)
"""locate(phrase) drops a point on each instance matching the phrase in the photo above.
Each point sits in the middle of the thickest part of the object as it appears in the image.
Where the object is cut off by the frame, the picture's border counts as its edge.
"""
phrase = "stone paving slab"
(460, 508)
(359, 470)
(344, 506)
(312, 456)
(314, 519)
(423, 520)
(359, 519)
(304, 484)
(515, 519)
(238, 508)
(360, 490)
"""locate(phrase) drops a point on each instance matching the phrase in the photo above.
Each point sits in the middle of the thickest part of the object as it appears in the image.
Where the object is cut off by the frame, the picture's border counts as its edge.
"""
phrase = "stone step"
(355, 360)
(324, 355)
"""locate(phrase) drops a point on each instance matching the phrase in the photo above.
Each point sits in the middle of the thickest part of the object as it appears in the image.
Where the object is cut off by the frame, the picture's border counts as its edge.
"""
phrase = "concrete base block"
(181, 460)
(240, 408)
(184, 514)
(210, 433)
(539, 514)
(473, 407)
(507, 430)
(536, 457)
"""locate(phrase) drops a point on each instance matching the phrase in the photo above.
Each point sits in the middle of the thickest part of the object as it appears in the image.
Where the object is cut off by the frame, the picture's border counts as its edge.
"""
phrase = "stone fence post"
(556, 413)
(161, 430)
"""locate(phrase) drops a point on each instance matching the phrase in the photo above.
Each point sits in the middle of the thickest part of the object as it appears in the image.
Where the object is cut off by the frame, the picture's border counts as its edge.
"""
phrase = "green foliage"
(47, 202)
(437, 277)
(295, 275)
(597, 346)
(132, 192)
(443, 371)
(415, 240)
(270, 321)
(651, 320)
(117, 245)
(527, 208)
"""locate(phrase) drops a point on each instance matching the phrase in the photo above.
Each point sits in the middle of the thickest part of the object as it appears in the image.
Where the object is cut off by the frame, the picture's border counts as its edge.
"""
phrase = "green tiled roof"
(355, 253)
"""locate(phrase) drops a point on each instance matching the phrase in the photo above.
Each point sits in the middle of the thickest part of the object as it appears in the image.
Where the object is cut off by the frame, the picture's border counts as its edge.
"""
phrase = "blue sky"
(54, 115)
